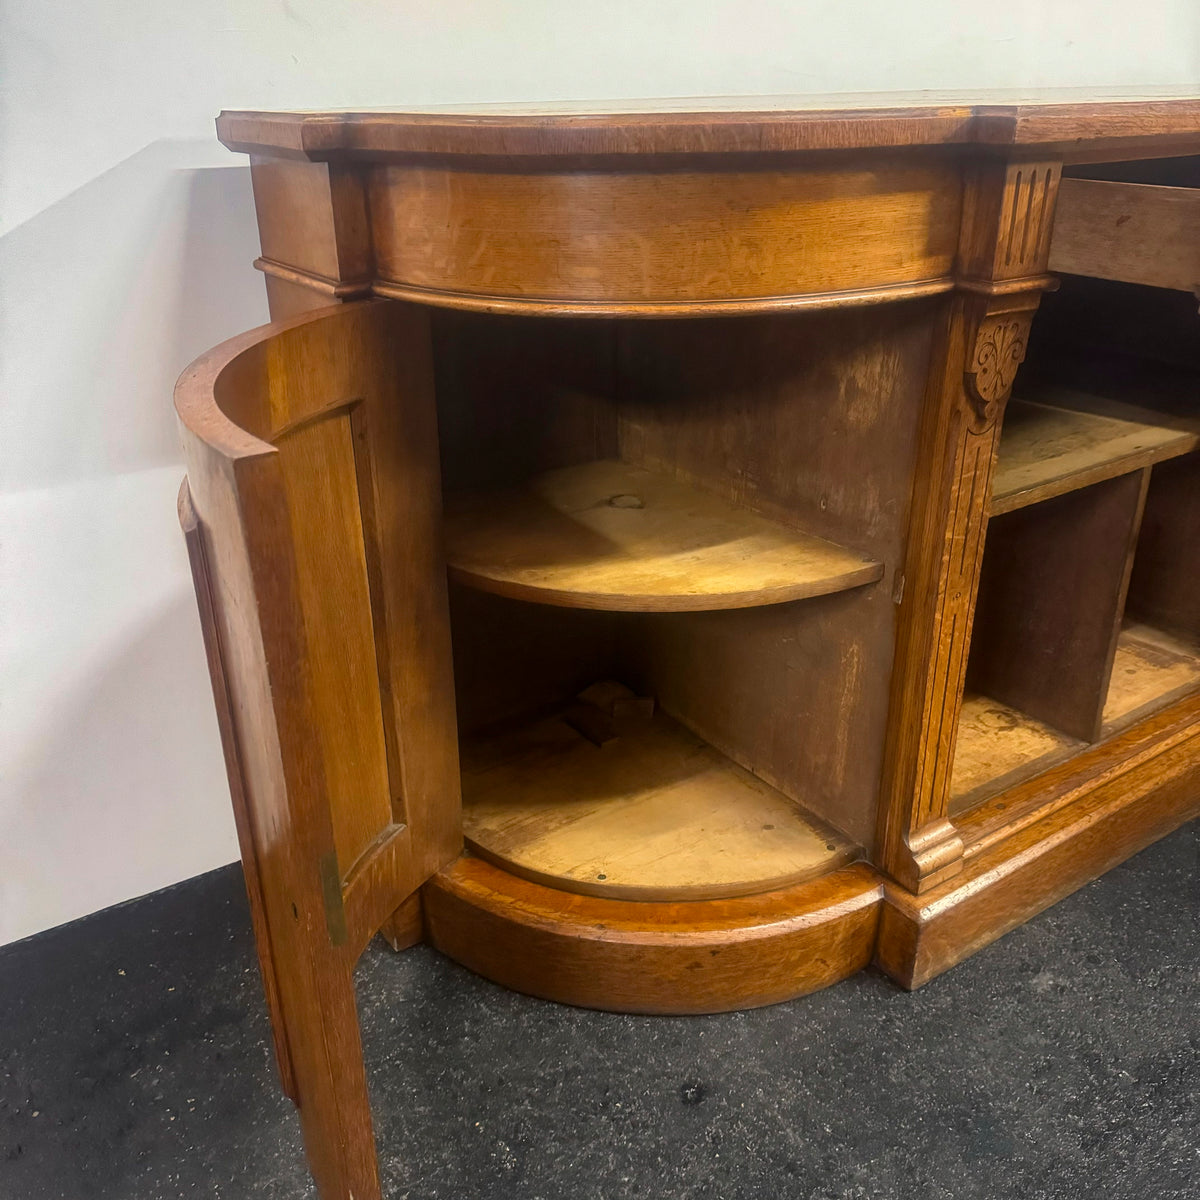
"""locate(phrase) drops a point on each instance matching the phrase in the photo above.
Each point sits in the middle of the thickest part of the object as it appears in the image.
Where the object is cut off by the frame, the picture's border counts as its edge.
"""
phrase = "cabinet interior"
(1087, 617)
(710, 515)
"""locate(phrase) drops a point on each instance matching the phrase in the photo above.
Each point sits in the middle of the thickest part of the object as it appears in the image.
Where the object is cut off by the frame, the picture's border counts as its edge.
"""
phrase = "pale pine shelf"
(608, 535)
(999, 746)
(654, 814)
(1047, 449)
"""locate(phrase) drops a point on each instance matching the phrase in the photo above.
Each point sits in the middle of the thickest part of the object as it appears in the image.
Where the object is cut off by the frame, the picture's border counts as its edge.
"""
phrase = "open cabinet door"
(312, 512)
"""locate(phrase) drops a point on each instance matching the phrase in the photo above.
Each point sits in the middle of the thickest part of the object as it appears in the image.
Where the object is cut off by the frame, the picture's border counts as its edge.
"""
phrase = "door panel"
(313, 512)
(319, 479)
(237, 788)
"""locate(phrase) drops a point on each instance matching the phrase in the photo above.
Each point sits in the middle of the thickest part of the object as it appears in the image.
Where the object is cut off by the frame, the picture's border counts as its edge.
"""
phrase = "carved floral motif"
(999, 351)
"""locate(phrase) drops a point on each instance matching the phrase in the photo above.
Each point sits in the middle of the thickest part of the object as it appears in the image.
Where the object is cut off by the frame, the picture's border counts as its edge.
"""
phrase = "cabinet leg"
(331, 1083)
(406, 926)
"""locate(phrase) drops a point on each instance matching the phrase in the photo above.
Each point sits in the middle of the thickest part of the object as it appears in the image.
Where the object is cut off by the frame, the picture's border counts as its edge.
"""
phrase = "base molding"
(707, 956)
(698, 956)
(1040, 864)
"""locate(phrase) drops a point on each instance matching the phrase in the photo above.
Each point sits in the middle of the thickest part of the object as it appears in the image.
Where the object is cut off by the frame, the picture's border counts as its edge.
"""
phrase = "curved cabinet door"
(313, 512)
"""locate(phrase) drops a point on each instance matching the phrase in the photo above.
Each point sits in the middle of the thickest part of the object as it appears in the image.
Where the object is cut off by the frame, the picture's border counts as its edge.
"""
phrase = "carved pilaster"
(1004, 244)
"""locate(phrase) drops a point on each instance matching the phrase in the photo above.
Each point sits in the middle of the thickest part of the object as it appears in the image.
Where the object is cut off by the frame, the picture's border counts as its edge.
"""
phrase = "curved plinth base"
(698, 956)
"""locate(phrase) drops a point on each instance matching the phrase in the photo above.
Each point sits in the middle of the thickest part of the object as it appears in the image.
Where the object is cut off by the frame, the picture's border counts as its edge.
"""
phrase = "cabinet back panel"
(521, 395)
(796, 693)
(517, 396)
(513, 659)
(1088, 323)
(1051, 596)
(1163, 589)
(810, 419)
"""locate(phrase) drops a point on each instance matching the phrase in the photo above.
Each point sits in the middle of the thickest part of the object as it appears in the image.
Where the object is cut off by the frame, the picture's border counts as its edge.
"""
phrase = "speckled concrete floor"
(1062, 1062)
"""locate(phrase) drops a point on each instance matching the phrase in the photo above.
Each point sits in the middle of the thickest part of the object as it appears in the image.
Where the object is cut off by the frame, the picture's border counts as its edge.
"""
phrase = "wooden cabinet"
(622, 566)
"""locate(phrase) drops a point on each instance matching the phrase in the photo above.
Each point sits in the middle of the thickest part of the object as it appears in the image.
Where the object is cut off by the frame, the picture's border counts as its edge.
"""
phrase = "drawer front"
(1133, 232)
(669, 240)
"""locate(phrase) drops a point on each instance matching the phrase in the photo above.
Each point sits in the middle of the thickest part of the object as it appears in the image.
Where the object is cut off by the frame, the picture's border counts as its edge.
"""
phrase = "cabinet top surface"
(1167, 120)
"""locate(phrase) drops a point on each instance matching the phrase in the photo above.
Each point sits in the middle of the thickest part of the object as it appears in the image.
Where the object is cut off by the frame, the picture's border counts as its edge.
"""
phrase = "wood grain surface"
(652, 814)
(668, 237)
(998, 746)
(1163, 588)
(1051, 597)
(1135, 232)
(610, 535)
(1046, 450)
(1125, 120)
(315, 518)
(980, 343)
(634, 956)
(810, 419)
(1049, 837)
(1151, 669)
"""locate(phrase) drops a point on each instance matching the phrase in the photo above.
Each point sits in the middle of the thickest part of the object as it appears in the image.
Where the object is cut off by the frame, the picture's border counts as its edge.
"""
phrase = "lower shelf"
(1150, 669)
(999, 746)
(654, 814)
(704, 956)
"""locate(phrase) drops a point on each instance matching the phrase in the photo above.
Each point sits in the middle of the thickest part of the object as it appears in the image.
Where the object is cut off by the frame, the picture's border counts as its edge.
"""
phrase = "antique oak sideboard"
(622, 564)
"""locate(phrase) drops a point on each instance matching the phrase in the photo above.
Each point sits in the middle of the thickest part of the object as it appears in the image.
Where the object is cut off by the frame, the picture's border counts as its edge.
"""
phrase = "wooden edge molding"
(922, 936)
(339, 289)
(771, 124)
(1009, 287)
(567, 307)
(642, 957)
(354, 289)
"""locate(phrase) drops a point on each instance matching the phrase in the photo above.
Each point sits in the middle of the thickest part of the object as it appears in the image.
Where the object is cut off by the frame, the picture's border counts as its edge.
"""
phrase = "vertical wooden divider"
(1051, 599)
(1163, 587)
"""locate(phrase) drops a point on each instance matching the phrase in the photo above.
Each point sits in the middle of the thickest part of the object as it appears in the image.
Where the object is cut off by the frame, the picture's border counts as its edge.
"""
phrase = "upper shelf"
(1046, 450)
(608, 535)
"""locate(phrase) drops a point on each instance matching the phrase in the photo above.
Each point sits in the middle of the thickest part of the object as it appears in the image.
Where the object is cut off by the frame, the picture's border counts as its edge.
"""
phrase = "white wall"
(126, 235)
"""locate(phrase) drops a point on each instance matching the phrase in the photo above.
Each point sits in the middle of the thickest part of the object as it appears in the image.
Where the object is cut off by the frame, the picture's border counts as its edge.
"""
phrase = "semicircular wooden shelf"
(607, 535)
(654, 814)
